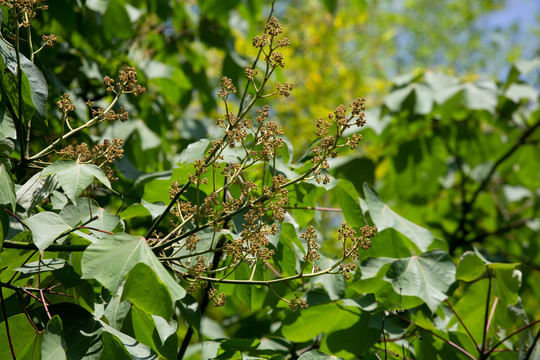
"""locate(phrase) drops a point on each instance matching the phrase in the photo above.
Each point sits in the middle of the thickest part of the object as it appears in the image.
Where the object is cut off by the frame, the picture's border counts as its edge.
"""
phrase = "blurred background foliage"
(445, 104)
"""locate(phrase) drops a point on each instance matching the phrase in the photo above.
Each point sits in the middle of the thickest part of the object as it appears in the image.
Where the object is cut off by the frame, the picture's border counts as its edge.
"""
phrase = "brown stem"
(19, 296)
(463, 324)
(454, 345)
(4, 311)
(486, 313)
(494, 347)
(529, 352)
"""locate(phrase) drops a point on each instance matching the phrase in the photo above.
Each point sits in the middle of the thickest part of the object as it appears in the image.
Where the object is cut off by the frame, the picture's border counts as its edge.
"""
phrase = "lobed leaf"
(112, 257)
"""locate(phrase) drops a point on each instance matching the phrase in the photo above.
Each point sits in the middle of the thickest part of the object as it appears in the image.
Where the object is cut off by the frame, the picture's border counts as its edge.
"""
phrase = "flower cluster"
(285, 88)
(127, 82)
(25, 9)
(65, 105)
(297, 303)
(49, 40)
(312, 255)
(217, 298)
(196, 271)
(227, 88)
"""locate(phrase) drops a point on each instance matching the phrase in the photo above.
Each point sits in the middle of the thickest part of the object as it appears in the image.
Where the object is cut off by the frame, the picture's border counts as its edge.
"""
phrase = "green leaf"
(113, 348)
(7, 188)
(38, 85)
(343, 339)
(516, 92)
(427, 276)
(6, 147)
(35, 191)
(300, 326)
(134, 347)
(508, 282)
(26, 339)
(153, 331)
(116, 21)
(46, 227)
(34, 87)
(4, 226)
(116, 309)
(470, 267)
(193, 151)
(144, 289)
(41, 266)
(189, 308)
(349, 202)
(53, 346)
(110, 259)
(480, 95)
(81, 211)
(317, 355)
(384, 218)
(75, 177)
(7, 127)
(81, 330)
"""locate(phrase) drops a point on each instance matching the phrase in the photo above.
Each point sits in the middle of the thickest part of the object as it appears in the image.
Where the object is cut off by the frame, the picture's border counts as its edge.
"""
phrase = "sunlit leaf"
(46, 227)
(110, 259)
(384, 218)
(75, 177)
(427, 276)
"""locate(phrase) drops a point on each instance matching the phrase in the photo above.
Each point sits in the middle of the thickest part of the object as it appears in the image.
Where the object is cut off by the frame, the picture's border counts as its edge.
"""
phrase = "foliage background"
(444, 107)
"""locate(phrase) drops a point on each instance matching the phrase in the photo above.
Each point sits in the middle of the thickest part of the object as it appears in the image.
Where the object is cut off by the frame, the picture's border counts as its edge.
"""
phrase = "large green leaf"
(34, 87)
(110, 259)
(75, 177)
(300, 326)
(26, 339)
(144, 289)
(46, 226)
(427, 276)
(384, 218)
(53, 346)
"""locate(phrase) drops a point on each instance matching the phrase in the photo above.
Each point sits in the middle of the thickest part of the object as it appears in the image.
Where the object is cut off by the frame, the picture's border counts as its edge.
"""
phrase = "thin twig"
(529, 352)
(19, 296)
(4, 311)
(524, 327)
(454, 345)
(463, 324)
(486, 314)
